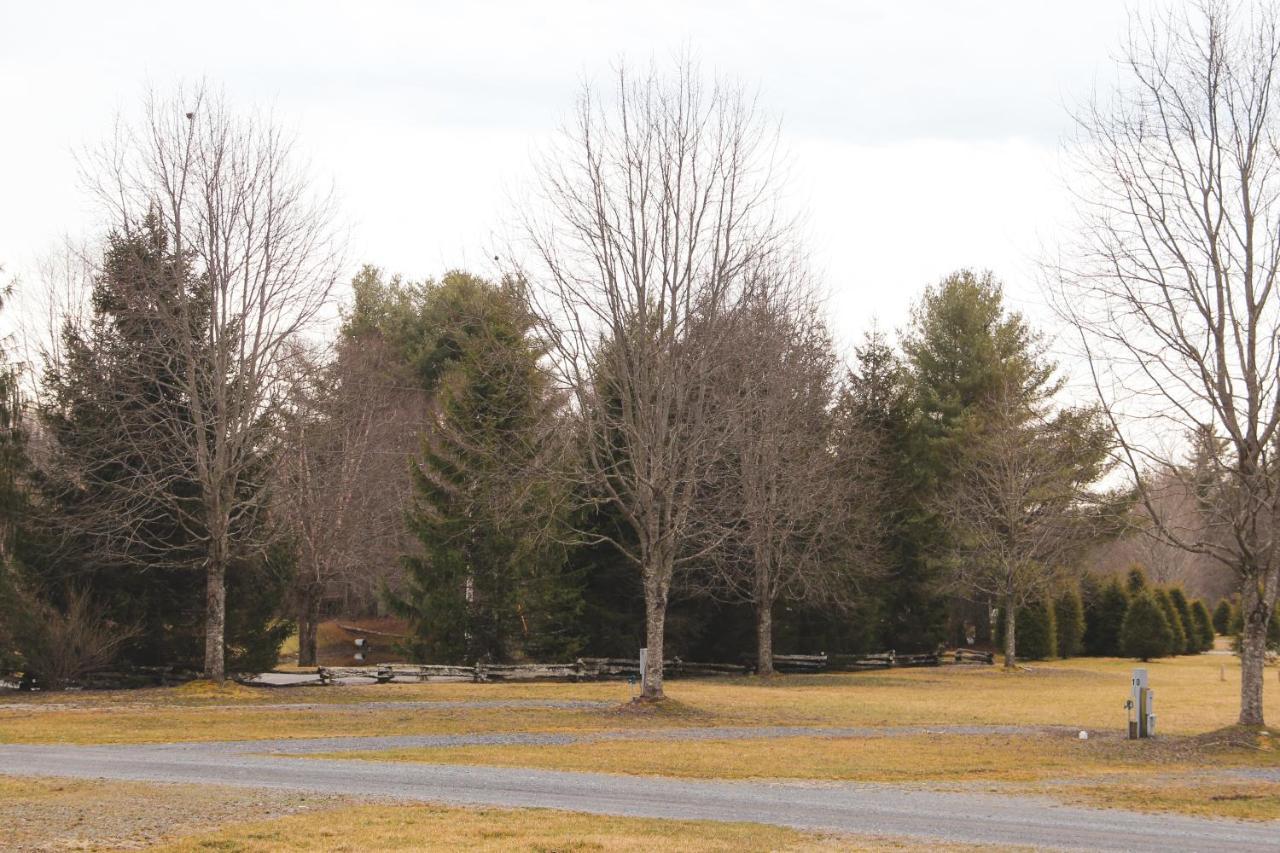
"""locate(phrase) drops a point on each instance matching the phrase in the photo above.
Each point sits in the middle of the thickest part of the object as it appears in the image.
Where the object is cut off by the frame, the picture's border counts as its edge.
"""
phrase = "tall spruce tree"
(876, 401)
(963, 349)
(13, 502)
(488, 583)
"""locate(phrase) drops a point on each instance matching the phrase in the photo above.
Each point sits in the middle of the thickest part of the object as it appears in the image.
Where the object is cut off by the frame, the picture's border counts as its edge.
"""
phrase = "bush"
(60, 646)
(1068, 613)
(1177, 635)
(1191, 639)
(1103, 618)
(1036, 633)
(1203, 625)
(1145, 633)
(1222, 616)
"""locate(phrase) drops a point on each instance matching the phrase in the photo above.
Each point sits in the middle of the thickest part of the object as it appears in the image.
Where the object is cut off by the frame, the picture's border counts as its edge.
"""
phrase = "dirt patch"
(64, 814)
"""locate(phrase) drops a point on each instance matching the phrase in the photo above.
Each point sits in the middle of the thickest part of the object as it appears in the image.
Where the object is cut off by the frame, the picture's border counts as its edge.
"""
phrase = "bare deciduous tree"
(1174, 282)
(255, 256)
(659, 204)
(787, 515)
(1019, 506)
(344, 477)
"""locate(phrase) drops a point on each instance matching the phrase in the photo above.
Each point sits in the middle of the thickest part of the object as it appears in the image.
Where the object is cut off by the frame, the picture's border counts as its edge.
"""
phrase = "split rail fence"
(604, 669)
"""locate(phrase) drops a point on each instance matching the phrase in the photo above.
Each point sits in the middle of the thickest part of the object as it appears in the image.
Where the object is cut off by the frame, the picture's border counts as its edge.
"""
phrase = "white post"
(644, 670)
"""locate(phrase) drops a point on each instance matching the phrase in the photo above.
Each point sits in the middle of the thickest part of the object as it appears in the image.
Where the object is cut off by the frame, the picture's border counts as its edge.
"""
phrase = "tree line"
(639, 431)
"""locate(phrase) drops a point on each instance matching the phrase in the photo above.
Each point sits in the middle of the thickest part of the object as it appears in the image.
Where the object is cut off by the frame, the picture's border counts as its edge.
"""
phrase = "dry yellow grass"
(1191, 795)
(79, 814)
(401, 827)
(1191, 697)
(916, 758)
(162, 725)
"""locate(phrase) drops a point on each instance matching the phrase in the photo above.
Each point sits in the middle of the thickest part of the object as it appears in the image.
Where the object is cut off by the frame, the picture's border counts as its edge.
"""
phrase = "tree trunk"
(215, 618)
(308, 626)
(1255, 615)
(655, 606)
(1010, 633)
(764, 639)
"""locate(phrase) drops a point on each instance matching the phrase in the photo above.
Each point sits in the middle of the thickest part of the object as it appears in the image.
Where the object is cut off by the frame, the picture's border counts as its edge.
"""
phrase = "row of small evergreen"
(1120, 617)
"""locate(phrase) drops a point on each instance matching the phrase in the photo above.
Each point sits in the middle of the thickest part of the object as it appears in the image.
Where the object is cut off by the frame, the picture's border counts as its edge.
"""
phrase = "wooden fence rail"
(598, 669)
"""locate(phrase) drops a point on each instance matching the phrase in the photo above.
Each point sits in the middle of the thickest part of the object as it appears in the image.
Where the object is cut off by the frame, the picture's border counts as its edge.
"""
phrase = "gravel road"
(857, 808)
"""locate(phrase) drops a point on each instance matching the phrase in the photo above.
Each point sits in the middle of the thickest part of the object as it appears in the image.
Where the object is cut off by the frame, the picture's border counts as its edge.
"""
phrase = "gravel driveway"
(856, 808)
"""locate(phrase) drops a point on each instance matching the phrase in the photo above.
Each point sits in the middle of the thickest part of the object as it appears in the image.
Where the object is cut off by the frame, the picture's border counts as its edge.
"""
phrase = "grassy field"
(1193, 695)
(58, 814)
(1180, 771)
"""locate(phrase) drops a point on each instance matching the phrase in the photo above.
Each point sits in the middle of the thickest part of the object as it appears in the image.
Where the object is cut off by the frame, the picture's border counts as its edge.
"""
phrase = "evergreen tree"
(1136, 580)
(1203, 625)
(1177, 635)
(13, 504)
(1145, 633)
(963, 349)
(122, 508)
(1179, 600)
(1273, 631)
(487, 584)
(1068, 611)
(876, 400)
(1104, 618)
(1037, 631)
(1222, 617)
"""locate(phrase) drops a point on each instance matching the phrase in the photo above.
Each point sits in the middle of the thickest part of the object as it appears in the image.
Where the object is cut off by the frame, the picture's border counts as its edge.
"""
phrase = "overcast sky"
(925, 136)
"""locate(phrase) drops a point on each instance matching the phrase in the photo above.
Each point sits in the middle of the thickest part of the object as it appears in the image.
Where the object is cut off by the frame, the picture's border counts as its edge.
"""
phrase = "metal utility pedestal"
(1141, 707)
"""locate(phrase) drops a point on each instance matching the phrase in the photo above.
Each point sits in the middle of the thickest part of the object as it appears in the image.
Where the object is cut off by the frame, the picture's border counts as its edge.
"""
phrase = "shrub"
(1037, 634)
(62, 645)
(1222, 616)
(1203, 625)
(1191, 639)
(1145, 633)
(1068, 613)
(1103, 619)
(1177, 635)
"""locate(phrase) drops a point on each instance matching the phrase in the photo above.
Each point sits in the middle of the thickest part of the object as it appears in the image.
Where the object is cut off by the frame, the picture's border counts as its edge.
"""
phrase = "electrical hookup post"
(1141, 707)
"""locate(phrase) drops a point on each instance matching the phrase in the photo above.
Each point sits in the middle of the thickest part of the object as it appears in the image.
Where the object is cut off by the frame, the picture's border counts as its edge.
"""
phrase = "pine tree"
(877, 400)
(1136, 580)
(1145, 633)
(122, 512)
(1222, 617)
(1068, 611)
(1037, 631)
(13, 503)
(485, 582)
(1273, 631)
(963, 349)
(1177, 635)
(1103, 620)
(1179, 600)
(1203, 625)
